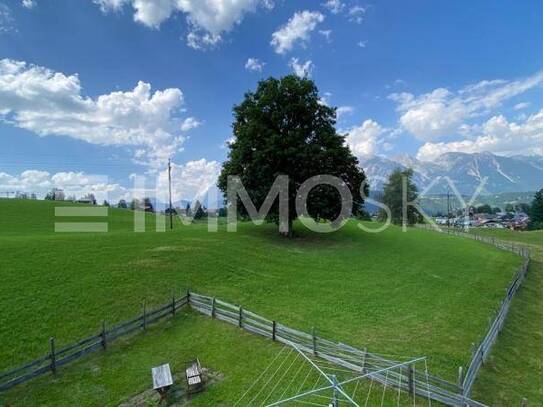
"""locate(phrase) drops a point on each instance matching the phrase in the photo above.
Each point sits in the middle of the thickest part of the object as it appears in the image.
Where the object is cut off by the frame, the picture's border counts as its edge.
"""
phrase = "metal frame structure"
(335, 385)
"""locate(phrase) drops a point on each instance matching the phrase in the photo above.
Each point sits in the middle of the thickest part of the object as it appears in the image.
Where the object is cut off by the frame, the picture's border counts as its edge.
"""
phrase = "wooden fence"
(512, 247)
(482, 351)
(411, 380)
(61, 356)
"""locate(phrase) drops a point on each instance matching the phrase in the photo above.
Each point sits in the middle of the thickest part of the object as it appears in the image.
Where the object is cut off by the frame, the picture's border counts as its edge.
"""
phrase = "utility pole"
(170, 190)
(448, 208)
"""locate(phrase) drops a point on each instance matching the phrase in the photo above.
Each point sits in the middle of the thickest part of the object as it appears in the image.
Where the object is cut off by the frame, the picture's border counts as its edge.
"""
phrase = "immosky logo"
(237, 194)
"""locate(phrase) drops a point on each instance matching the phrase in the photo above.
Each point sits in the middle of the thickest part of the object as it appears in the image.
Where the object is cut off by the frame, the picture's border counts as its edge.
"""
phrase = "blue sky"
(411, 77)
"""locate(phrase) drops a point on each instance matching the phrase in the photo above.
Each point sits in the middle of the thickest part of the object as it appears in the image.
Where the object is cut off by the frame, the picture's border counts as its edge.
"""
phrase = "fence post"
(144, 315)
(364, 359)
(53, 356)
(213, 308)
(103, 334)
(524, 402)
(410, 381)
(188, 296)
(461, 379)
(274, 326)
(240, 317)
(173, 303)
(314, 341)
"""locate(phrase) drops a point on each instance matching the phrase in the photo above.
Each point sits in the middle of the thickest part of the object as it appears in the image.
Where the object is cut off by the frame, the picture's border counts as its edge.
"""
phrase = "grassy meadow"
(515, 368)
(409, 294)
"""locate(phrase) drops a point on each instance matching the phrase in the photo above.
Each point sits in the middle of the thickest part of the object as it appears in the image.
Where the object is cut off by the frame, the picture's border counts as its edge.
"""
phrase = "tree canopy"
(393, 197)
(283, 128)
(536, 211)
(485, 208)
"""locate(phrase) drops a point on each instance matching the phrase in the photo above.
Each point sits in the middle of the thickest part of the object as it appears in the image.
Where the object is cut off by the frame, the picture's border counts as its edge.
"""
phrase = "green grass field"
(515, 367)
(414, 293)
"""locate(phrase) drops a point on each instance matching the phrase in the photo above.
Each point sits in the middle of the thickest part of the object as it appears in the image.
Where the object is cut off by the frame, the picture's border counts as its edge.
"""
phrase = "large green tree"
(536, 211)
(400, 190)
(283, 128)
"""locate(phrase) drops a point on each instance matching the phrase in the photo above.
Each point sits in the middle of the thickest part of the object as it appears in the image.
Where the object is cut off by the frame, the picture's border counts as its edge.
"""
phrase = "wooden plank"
(281, 327)
(26, 366)
(138, 319)
(122, 330)
(80, 353)
(258, 324)
(76, 345)
(226, 313)
(257, 331)
(232, 307)
(224, 318)
(25, 378)
(256, 316)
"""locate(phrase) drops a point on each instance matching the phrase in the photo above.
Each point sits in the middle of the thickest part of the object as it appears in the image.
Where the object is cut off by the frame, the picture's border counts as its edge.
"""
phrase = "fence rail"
(512, 247)
(483, 349)
(412, 380)
(62, 356)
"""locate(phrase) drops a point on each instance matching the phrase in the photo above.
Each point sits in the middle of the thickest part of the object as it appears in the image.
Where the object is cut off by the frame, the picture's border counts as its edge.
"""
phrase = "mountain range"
(503, 174)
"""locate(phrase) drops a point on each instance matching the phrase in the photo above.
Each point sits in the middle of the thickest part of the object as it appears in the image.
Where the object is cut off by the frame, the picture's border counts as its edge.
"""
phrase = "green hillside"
(518, 355)
(414, 293)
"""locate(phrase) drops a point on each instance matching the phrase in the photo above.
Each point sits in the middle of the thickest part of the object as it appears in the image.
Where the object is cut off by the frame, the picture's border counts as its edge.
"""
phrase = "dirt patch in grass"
(149, 264)
(177, 249)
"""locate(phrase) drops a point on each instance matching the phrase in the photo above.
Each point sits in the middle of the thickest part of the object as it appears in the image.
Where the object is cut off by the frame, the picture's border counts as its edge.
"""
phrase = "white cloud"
(77, 184)
(190, 181)
(442, 112)
(325, 99)
(110, 5)
(344, 110)
(356, 14)
(334, 6)
(190, 123)
(326, 34)
(202, 40)
(254, 65)
(29, 4)
(362, 44)
(303, 70)
(208, 19)
(268, 4)
(521, 106)
(51, 103)
(297, 30)
(387, 146)
(363, 140)
(226, 144)
(496, 135)
(7, 22)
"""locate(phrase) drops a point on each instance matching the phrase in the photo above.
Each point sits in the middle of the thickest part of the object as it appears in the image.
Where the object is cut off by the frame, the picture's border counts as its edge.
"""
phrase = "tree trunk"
(288, 233)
